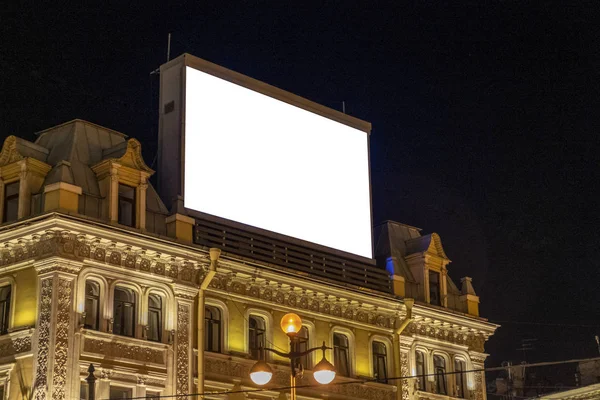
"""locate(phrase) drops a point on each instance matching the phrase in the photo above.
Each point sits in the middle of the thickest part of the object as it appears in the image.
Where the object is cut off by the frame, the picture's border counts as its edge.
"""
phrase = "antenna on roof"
(157, 70)
(169, 47)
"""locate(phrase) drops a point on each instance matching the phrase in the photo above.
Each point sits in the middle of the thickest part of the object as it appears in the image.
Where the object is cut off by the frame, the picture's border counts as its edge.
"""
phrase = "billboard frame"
(172, 97)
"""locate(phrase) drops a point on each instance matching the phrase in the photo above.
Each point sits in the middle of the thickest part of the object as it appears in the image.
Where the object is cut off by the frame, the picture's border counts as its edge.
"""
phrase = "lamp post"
(324, 372)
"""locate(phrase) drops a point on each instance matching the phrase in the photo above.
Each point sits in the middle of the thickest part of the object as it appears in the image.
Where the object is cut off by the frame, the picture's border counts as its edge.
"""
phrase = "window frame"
(443, 374)
(98, 304)
(134, 317)
(421, 375)
(462, 389)
(161, 318)
(268, 318)
(130, 201)
(208, 333)
(376, 357)
(337, 348)
(7, 198)
(438, 286)
(7, 308)
(255, 352)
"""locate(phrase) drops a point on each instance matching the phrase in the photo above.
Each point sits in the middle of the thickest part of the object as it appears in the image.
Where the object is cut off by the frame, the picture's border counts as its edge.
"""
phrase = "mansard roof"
(431, 243)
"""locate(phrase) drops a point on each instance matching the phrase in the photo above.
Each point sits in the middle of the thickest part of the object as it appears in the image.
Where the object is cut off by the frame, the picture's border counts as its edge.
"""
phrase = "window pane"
(420, 361)
(440, 374)
(340, 354)
(126, 205)
(83, 391)
(5, 292)
(120, 393)
(154, 327)
(256, 336)
(379, 361)
(303, 345)
(92, 305)
(152, 395)
(212, 328)
(124, 312)
(434, 288)
(459, 367)
(11, 201)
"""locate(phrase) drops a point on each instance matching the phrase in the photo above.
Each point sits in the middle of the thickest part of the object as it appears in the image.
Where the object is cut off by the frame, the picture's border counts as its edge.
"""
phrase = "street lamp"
(324, 372)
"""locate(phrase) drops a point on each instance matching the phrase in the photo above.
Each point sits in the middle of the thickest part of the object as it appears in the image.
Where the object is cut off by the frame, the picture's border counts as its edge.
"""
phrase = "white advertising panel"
(260, 161)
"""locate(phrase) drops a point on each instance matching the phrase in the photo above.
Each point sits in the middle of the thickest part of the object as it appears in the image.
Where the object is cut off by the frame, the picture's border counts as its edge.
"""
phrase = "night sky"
(485, 119)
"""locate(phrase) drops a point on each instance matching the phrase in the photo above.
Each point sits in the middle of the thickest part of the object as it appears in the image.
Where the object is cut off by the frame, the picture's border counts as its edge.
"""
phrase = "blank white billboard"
(262, 162)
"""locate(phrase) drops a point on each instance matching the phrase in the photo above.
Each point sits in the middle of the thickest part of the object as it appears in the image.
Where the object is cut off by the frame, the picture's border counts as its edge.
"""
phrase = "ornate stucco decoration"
(16, 343)
(299, 297)
(97, 344)
(83, 247)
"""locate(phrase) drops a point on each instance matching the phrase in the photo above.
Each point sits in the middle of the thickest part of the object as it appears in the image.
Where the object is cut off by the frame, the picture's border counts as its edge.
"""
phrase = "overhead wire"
(362, 381)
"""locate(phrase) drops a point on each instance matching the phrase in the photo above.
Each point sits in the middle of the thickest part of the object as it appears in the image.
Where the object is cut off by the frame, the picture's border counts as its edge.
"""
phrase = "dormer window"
(11, 201)
(126, 205)
(434, 288)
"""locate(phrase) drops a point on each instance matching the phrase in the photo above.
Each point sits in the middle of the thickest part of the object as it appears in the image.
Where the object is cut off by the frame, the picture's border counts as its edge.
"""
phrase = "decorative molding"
(183, 349)
(297, 297)
(61, 339)
(15, 345)
(473, 340)
(405, 371)
(43, 340)
(78, 247)
(120, 348)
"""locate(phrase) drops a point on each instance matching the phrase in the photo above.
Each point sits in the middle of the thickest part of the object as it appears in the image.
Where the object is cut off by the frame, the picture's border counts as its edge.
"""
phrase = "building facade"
(95, 269)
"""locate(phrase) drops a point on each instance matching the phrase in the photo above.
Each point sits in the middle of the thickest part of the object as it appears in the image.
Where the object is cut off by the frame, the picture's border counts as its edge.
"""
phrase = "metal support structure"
(91, 381)
(294, 356)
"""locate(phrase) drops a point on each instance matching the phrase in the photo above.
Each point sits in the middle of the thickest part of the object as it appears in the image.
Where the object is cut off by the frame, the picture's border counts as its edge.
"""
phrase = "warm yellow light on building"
(291, 323)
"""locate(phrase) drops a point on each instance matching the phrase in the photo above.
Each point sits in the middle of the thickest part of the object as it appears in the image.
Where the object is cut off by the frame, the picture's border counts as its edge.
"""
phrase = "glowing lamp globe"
(261, 373)
(324, 372)
(291, 323)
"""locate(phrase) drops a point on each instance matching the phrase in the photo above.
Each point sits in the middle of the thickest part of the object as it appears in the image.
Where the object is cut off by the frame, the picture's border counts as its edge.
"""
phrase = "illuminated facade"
(94, 268)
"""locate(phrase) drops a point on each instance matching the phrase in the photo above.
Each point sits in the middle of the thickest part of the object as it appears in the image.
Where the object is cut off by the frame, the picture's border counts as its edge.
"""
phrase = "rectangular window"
(434, 288)
(421, 371)
(341, 350)
(379, 361)
(92, 305)
(439, 363)
(124, 312)
(126, 205)
(5, 293)
(461, 378)
(212, 329)
(152, 395)
(256, 336)
(303, 344)
(154, 317)
(120, 393)
(1, 391)
(11, 201)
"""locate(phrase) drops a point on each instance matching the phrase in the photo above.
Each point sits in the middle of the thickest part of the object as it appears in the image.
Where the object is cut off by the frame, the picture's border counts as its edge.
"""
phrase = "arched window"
(92, 305)
(212, 329)
(256, 335)
(421, 369)
(439, 365)
(303, 345)
(124, 311)
(379, 350)
(155, 317)
(341, 356)
(461, 378)
(5, 292)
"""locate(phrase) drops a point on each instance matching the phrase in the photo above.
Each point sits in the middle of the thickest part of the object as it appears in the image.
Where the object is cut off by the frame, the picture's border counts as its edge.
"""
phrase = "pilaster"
(405, 386)
(54, 339)
(140, 209)
(183, 370)
(477, 379)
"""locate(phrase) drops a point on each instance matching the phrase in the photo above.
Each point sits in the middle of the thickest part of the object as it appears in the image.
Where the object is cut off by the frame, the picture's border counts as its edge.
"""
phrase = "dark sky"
(485, 120)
